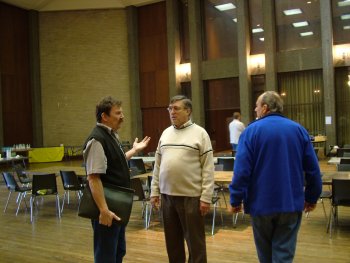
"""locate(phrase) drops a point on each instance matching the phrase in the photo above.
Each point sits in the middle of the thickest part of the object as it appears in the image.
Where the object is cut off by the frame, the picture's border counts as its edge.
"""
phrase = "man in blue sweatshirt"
(277, 176)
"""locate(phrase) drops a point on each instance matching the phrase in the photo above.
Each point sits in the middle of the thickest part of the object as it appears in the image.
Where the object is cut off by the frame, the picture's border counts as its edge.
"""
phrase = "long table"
(336, 160)
(226, 176)
(328, 176)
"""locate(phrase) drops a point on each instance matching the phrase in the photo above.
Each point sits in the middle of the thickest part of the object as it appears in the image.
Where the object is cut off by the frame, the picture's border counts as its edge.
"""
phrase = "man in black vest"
(106, 162)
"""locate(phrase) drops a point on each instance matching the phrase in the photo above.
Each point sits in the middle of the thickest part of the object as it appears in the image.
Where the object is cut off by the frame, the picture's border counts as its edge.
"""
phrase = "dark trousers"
(109, 243)
(275, 236)
(183, 221)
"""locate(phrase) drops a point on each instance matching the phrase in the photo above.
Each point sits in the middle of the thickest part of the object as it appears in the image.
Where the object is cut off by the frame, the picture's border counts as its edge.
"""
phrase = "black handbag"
(119, 201)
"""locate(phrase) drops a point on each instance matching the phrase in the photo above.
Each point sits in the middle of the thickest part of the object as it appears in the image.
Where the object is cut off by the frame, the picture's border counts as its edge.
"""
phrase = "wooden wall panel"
(153, 68)
(154, 120)
(15, 81)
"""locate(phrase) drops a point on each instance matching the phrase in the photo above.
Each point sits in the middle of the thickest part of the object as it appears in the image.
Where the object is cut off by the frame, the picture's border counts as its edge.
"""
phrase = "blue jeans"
(275, 236)
(109, 243)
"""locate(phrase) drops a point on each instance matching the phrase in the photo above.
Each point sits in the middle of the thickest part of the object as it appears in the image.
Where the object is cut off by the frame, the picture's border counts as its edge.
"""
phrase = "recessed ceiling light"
(346, 27)
(345, 17)
(344, 3)
(225, 7)
(300, 24)
(305, 34)
(257, 30)
(234, 20)
(262, 39)
(290, 12)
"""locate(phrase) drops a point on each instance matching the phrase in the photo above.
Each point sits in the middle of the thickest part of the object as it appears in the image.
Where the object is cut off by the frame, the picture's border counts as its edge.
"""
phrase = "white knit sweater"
(184, 164)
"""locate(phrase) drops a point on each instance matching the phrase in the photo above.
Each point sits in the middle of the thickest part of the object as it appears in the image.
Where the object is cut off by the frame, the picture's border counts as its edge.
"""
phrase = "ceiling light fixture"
(300, 24)
(262, 39)
(290, 12)
(344, 3)
(345, 17)
(234, 20)
(305, 34)
(257, 30)
(346, 27)
(225, 7)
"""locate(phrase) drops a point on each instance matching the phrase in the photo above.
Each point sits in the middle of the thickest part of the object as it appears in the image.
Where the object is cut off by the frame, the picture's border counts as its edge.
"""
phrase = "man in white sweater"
(183, 177)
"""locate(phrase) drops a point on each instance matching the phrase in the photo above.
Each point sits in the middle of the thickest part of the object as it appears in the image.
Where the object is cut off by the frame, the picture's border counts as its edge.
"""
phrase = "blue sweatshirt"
(276, 169)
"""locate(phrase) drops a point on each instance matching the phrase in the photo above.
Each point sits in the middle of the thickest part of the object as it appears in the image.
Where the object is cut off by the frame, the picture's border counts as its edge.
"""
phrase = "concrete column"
(134, 82)
(35, 82)
(270, 44)
(173, 37)
(243, 38)
(1, 119)
(198, 114)
(328, 70)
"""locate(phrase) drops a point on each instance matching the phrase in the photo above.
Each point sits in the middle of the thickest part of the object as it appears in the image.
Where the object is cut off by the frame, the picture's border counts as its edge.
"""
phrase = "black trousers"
(183, 221)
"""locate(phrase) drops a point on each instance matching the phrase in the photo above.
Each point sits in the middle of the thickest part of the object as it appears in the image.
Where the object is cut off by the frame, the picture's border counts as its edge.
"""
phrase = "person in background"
(277, 176)
(235, 127)
(183, 177)
(106, 162)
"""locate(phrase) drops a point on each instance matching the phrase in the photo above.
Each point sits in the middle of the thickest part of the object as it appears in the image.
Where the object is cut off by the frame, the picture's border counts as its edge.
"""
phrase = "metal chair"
(22, 175)
(139, 164)
(136, 184)
(344, 161)
(340, 197)
(70, 182)
(216, 203)
(227, 162)
(343, 167)
(44, 185)
(12, 186)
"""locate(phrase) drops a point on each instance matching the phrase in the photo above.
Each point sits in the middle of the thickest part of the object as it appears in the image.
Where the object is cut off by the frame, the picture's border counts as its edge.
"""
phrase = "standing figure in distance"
(106, 162)
(277, 176)
(183, 177)
(235, 127)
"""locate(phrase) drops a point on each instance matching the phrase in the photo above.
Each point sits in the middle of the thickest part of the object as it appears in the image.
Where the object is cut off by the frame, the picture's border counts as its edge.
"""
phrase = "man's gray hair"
(186, 101)
(273, 101)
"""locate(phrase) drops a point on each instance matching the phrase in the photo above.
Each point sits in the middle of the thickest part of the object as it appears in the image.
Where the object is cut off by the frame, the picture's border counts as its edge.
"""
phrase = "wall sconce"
(257, 63)
(183, 72)
(349, 80)
(341, 55)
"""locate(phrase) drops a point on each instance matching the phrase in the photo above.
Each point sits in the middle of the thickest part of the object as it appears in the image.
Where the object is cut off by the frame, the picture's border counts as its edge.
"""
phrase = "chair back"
(227, 163)
(218, 167)
(343, 167)
(139, 164)
(21, 174)
(70, 180)
(136, 184)
(344, 161)
(46, 182)
(10, 181)
(341, 192)
(342, 151)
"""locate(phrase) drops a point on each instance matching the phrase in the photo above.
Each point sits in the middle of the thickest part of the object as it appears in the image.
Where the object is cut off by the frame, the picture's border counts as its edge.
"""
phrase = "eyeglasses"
(175, 108)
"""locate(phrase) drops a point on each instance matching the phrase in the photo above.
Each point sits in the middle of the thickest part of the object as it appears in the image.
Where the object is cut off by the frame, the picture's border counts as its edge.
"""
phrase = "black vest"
(117, 168)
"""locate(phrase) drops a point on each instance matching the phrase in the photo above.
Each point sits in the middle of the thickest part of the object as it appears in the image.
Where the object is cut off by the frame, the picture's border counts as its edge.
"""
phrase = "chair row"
(42, 185)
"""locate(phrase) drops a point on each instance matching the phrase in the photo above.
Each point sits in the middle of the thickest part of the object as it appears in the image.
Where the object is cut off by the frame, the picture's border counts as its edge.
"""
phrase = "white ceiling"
(59, 5)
